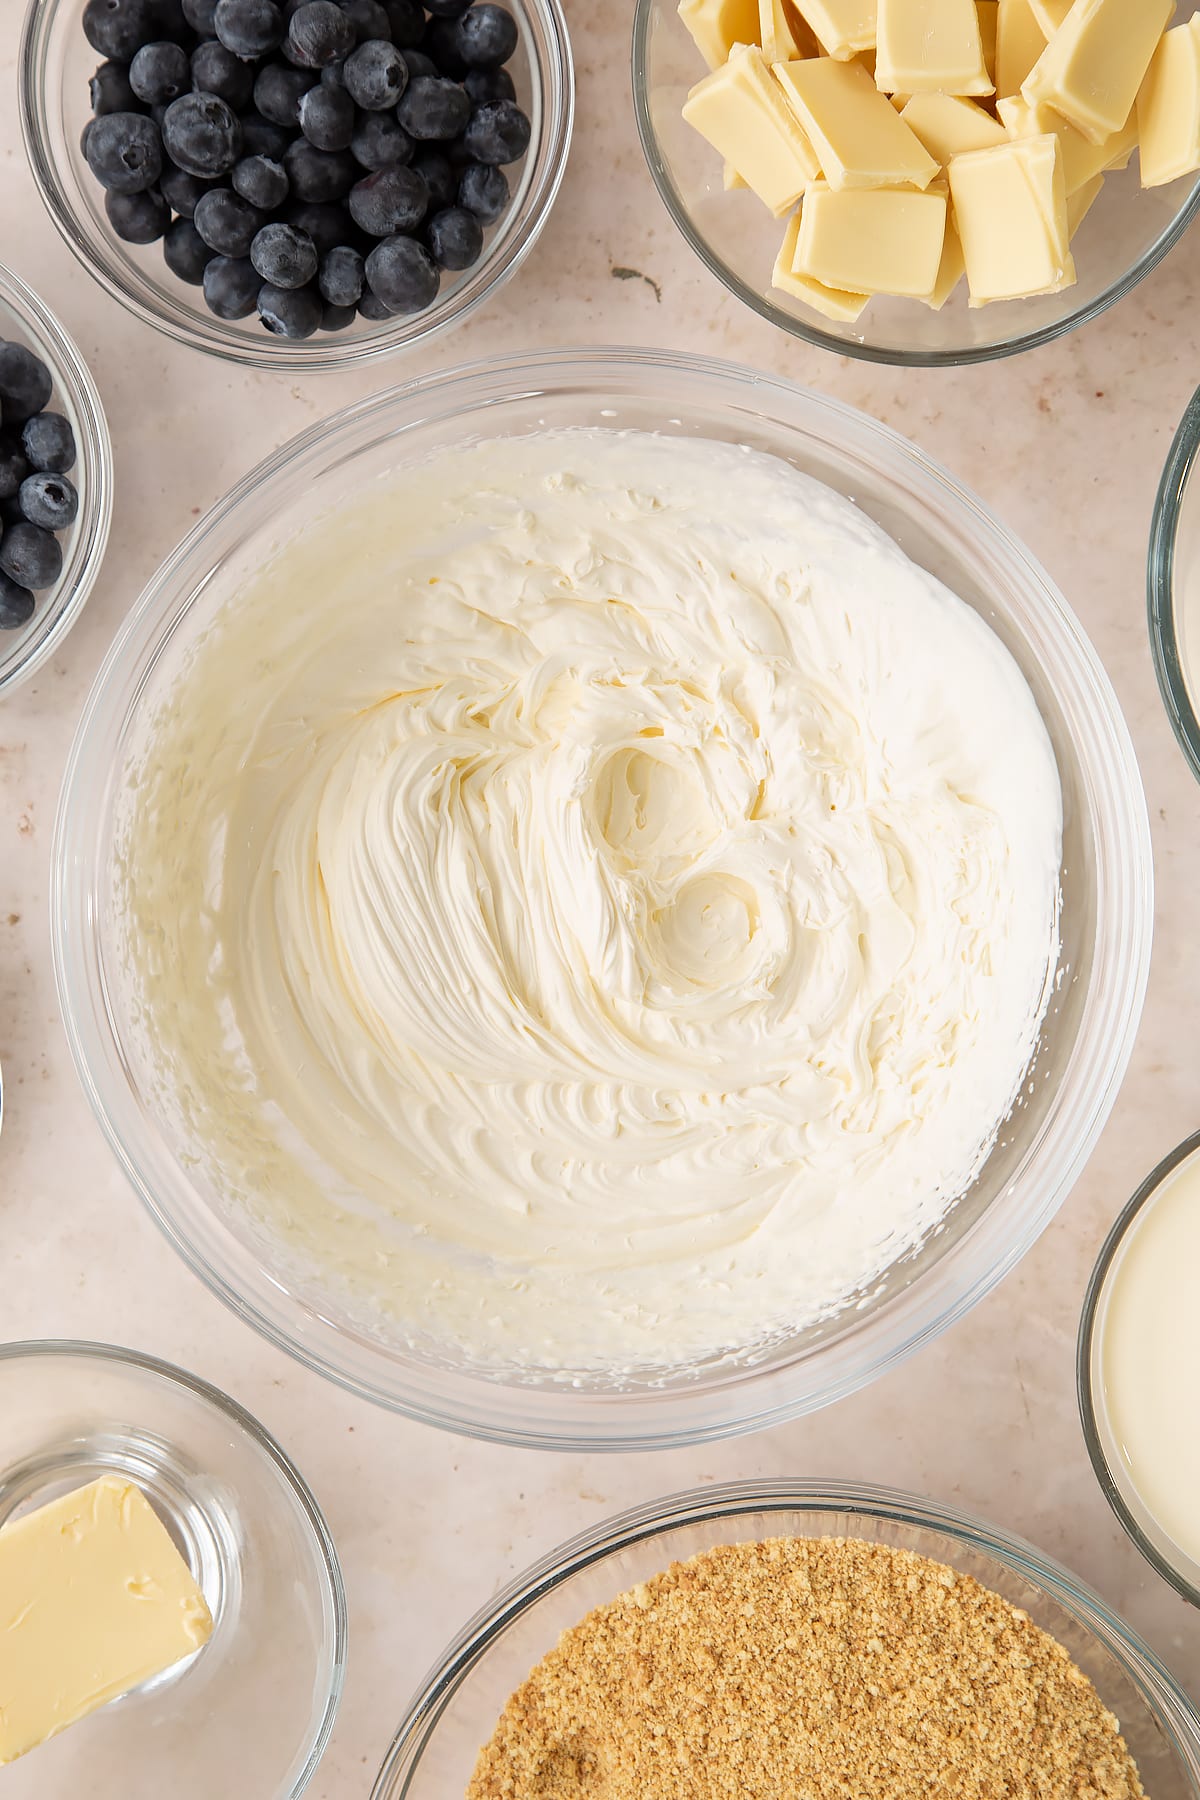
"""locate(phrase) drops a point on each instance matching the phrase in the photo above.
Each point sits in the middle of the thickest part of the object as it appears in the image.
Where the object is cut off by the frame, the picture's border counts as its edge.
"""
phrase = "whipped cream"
(592, 900)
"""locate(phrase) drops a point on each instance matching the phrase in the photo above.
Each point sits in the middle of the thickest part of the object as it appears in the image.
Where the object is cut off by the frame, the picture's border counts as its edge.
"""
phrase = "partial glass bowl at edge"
(56, 61)
(1173, 585)
(457, 1708)
(1126, 234)
(1086, 1037)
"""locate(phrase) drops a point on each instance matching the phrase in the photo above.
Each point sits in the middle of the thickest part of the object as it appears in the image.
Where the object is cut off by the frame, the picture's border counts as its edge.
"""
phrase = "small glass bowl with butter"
(1138, 1355)
(1173, 586)
(1115, 231)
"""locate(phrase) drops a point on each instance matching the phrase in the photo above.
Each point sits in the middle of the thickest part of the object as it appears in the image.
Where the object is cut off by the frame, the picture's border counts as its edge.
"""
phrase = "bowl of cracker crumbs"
(762, 1638)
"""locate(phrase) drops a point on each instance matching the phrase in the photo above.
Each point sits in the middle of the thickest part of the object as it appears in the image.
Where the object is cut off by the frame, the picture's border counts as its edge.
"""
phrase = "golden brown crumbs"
(817, 1669)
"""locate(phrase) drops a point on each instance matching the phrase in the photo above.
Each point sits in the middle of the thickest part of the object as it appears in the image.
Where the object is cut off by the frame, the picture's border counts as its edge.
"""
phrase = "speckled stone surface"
(1067, 445)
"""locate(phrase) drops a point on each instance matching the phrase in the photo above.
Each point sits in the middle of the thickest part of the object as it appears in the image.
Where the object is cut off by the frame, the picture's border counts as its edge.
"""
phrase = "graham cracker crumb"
(825, 1669)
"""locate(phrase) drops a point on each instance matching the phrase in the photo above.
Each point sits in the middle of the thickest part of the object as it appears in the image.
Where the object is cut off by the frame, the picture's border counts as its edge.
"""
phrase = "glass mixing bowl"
(456, 1710)
(56, 62)
(25, 319)
(1173, 586)
(1086, 1035)
(1126, 234)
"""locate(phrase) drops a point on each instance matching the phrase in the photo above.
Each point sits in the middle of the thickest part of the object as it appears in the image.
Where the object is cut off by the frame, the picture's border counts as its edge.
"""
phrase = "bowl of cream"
(601, 899)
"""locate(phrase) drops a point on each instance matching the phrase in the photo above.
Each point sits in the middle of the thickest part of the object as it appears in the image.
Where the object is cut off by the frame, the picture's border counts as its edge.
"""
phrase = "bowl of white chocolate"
(923, 183)
(601, 899)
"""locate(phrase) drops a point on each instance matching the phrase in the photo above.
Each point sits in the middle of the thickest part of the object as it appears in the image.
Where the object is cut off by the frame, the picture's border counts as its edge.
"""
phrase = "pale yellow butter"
(859, 138)
(1093, 66)
(949, 125)
(988, 11)
(1080, 203)
(1168, 107)
(1020, 41)
(717, 25)
(843, 28)
(1010, 208)
(94, 1600)
(835, 303)
(741, 110)
(782, 33)
(1081, 158)
(931, 47)
(872, 240)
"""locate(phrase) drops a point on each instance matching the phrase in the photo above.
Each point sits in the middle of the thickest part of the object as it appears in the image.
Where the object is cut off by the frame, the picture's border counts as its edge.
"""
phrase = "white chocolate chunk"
(1081, 159)
(951, 269)
(933, 47)
(949, 125)
(872, 240)
(1010, 207)
(1050, 14)
(717, 25)
(1093, 66)
(1020, 41)
(989, 25)
(1168, 107)
(741, 110)
(842, 27)
(835, 303)
(782, 33)
(1080, 203)
(859, 138)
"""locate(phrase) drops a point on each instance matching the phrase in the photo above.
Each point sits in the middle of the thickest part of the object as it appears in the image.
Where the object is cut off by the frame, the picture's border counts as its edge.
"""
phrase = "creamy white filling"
(594, 899)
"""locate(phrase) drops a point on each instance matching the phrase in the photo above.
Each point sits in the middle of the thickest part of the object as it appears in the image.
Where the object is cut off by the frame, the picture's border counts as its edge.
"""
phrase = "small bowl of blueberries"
(56, 482)
(298, 184)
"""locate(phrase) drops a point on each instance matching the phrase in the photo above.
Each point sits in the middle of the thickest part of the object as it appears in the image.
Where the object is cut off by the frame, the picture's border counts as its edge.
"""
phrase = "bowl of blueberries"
(56, 482)
(298, 184)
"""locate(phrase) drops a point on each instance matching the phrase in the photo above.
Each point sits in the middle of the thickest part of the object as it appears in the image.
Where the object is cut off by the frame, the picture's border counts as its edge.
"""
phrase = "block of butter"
(94, 1599)
(1020, 40)
(835, 303)
(872, 240)
(949, 126)
(717, 25)
(1093, 66)
(782, 33)
(1081, 158)
(933, 47)
(859, 138)
(1168, 107)
(843, 28)
(741, 110)
(1010, 207)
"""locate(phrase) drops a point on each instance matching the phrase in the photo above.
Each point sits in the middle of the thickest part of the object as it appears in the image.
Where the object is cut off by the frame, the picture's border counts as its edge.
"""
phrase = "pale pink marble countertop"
(1067, 445)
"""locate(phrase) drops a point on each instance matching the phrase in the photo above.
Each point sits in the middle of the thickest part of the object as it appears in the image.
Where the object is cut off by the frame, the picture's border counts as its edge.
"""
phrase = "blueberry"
(498, 132)
(485, 36)
(180, 190)
(483, 190)
(227, 223)
(25, 382)
(263, 137)
(418, 63)
(407, 20)
(201, 16)
(231, 287)
(159, 73)
(319, 174)
(30, 556)
(340, 278)
(433, 109)
(14, 465)
(440, 178)
(250, 28)
(261, 181)
(326, 224)
(278, 92)
(379, 141)
(441, 42)
(84, 135)
(372, 307)
(376, 75)
(119, 28)
(489, 84)
(138, 218)
(49, 443)
(332, 77)
(336, 318)
(455, 237)
(185, 252)
(202, 134)
(284, 256)
(110, 90)
(446, 9)
(216, 70)
(327, 117)
(16, 604)
(402, 274)
(319, 33)
(369, 19)
(49, 501)
(289, 312)
(124, 152)
(392, 199)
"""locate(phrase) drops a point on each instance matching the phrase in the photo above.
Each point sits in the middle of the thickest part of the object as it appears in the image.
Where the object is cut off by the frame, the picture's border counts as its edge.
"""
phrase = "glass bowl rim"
(53, 1349)
(1160, 583)
(1117, 804)
(324, 351)
(824, 340)
(55, 344)
(1173, 1711)
(1126, 1219)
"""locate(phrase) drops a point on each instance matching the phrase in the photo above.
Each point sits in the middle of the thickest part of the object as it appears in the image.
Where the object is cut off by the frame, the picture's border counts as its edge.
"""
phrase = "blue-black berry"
(124, 152)
(49, 501)
(325, 223)
(369, 19)
(49, 442)
(138, 218)
(402, 274)
(441, 42)
(485, 36)
(216, 70)
(489, 84)
(319, 174)
(483, 190)
(340, 277)
(14, 465)
(25, 382)
(110, 90)
(260, 180)
(336, 318)
(185, 252)
(372, 307)
(379, 141)
(180, 190)
(434, 109)
(318, 33)
(119, 28)
(391, 200)
(440, 178)
(231, 287)
(498, 132)
(376, 75)
(283, 256)
(16, 604)
(159, 73)
(278, 92)
(201, 16)
(327, 117)
(251, 28)
(290, 312)
(226, 222)
(455, 237)
(418, 63)
(30, 556)
(407, 20)
(201, 134)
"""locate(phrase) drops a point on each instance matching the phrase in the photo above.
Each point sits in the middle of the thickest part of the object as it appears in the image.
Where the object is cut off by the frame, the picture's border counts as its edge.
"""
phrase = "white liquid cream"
(595, 899)
(1149, 1359)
